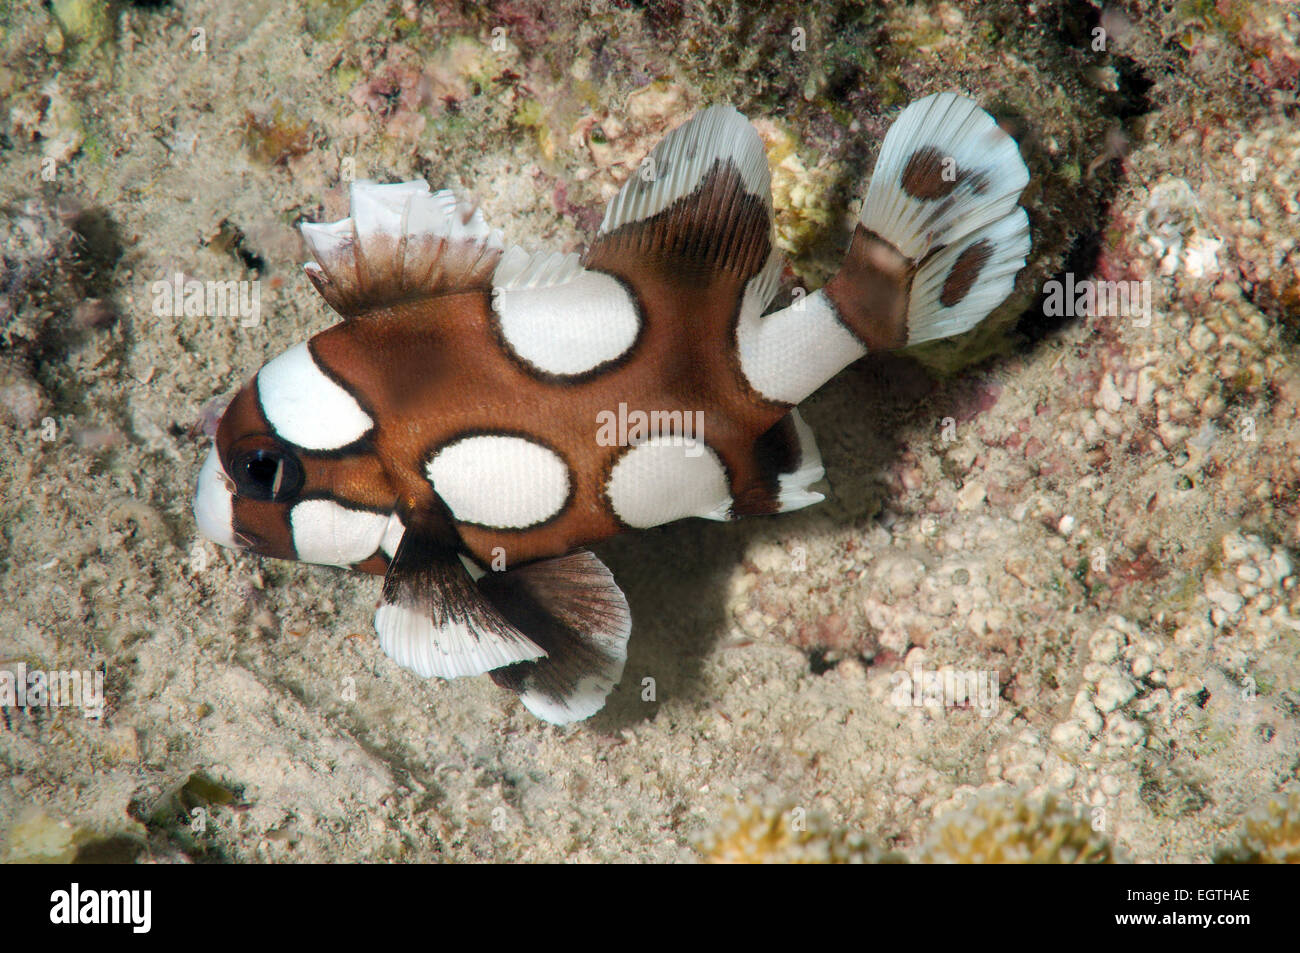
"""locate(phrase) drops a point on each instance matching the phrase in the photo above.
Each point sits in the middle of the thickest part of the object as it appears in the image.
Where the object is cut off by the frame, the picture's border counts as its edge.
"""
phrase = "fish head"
(293, 474)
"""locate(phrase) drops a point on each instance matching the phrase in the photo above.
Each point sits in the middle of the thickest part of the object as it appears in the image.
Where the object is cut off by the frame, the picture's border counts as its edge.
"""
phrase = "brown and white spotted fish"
(482, 408)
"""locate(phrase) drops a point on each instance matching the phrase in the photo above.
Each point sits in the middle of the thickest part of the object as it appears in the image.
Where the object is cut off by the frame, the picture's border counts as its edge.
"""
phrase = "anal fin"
(787, 464)
(794, 484)
(433, 620)
(571, 607)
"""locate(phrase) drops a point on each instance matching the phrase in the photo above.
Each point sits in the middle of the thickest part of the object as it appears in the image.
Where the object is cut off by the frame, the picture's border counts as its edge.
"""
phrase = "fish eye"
(266, 473)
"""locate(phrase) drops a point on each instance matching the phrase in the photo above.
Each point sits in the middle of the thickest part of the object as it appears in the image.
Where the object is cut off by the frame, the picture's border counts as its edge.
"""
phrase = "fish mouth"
(214, 504)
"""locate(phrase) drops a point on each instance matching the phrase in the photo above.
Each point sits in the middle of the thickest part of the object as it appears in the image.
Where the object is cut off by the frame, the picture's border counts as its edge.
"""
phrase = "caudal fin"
(940, 238)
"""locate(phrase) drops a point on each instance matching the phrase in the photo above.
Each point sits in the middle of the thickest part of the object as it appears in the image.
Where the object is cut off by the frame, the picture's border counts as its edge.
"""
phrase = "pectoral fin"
(433, 620)
(572, 608)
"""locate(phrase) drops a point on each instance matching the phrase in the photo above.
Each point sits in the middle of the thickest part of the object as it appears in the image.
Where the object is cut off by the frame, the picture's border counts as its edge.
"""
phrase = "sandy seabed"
(1094, 515)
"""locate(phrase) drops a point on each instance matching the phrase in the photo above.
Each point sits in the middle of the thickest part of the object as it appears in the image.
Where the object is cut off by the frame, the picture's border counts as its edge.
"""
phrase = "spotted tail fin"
(941, 236)
(937, 247)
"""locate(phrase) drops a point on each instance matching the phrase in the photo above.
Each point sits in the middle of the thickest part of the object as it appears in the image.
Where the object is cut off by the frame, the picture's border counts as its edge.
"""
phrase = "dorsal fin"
(679, 163)
(401, 242)
(519, 269)
(700, 203)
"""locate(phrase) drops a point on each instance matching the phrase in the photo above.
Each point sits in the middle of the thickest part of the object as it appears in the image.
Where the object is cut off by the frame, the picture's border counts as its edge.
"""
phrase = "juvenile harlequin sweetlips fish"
(485, 407)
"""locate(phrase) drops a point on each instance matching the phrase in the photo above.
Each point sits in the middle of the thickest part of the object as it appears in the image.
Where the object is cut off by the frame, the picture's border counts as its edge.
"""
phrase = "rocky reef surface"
(1051, 603)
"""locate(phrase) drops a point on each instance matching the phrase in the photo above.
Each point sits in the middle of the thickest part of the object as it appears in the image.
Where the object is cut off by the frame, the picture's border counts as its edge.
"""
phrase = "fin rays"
(700, 204)
(433, 621)
(402, 241)
(572, 607)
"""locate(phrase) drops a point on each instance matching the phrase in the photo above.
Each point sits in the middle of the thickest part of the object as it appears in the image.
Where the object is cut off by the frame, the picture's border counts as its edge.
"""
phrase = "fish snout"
(214, 503)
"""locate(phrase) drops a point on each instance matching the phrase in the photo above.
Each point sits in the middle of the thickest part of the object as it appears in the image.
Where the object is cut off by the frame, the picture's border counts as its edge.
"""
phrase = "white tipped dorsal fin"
(679, 163)
(401, 241)
(696, 213)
